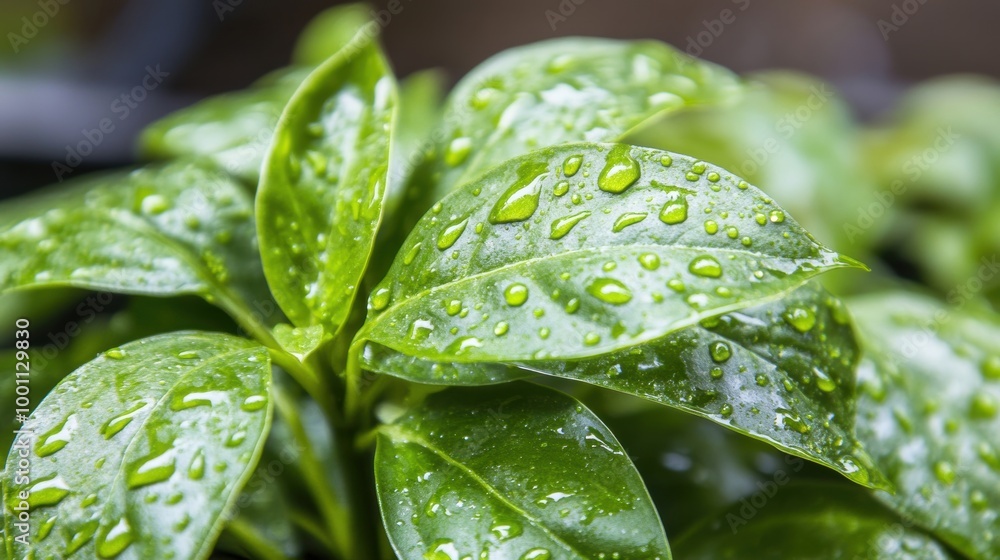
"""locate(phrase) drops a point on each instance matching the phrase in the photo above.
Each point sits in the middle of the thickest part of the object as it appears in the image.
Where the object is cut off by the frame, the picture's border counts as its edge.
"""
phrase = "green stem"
(352, 397)
(315, 530)
(252, 543)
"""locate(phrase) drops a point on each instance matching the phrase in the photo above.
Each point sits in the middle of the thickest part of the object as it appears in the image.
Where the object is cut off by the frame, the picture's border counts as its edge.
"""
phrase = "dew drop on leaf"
(115, 354)
(675, 211)
(458, 150)
(628, 219)
(537, 554)
(520, 201)
(150, 470)
(47, 491)
(610, 291)
(649, 261)
(561, 188)
(706, 267)
(196, 470)
(501, 328)
(380, 299)
(801, 318)
(620, 171)
(506, 530)
(451, 234)
(562, 226)
(711, 227)
(56, 438)
(254, 403)
(572, 165)
(991, 367)
(113, 540)
(516, 294)
(118, 423)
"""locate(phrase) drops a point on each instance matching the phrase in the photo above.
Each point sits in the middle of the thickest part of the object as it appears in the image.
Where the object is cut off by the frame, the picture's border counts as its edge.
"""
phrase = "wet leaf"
(518, 471)
(320, 200)
(536, 261)
(180, 228)
(235, 129)
(809, 521)
(929, 412)
(139, 453)
(559, 91)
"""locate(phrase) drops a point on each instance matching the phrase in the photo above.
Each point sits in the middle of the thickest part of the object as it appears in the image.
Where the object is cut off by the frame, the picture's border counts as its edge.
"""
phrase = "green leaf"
(929, 411)
(518, 471)
(559, 91)
(808, 521)
(235, 129)
(139, 453)
(320, 200)
(530, 264)
(165, 230)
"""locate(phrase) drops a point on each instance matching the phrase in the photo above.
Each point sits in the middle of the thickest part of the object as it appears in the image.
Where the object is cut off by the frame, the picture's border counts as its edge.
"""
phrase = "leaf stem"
(252, 542)
(336, 515)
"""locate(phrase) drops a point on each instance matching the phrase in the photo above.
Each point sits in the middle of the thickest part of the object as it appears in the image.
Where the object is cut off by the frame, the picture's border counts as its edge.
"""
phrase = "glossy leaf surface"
(559, 91)
(139, 453)
(518, 471)
(809, 521)
(320, 200)
(583, 250)
(235, 129)
(929, 411)
(165, 230)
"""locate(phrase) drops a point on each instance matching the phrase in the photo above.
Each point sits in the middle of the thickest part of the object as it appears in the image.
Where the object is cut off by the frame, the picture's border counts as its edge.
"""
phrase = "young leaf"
(518, 471)
(929, 411)
(139, 453)
(235, 129)
(809, 521)
(180, 228)
(320, 200)
(583, 250)
(559, 91)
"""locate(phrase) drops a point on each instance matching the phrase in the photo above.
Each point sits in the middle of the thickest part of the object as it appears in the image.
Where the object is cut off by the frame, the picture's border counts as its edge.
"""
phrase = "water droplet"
(453, 307)
(675, 211)
(706, 267)
(801, 318)
(732, 232)
(463, 344)
(115, 354)
(380, 299)
(56, 438)
(151, 469)
(610, 291)
(543, 333)
(47, 492)
(196, 470)
(711, 227)
(195, 399)
(188, 355)
(155, 204)
(743, 185)
(676, 285)
(620, 172)
(501, 328)
(562, 226)
(714, 177)
(254, 403)
(699, 168)
(777, 216)
(649, 261)
(442, 549)
(666, 161)
(412, 254)
(824, 382)
(572, 306)
(451, 234)
(591, 338)
(236, 438)
(516, 294)
(81, 537)
(112, 541)
(45, 529)
(458, 151)
(118, 423)
(505, 530)
(991, 367)
(537, 554)
(720, 351)
(760, 218)
(726, 410)
(944, 472)
(788, 420)
(983, 406)
(421, 329)
(572, 165)
(561, 188)
(628, 219)
(520, 201)
(716, 373)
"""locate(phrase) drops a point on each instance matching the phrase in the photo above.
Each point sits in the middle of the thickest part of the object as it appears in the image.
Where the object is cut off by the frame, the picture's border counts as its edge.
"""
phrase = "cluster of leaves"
(482, 320)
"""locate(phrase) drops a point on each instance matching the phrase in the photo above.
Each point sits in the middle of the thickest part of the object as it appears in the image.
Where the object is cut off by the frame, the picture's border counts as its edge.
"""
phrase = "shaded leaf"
(559, 91)
(929, 411)
(514, 472)
(139, 453)
(181, 228)
(809, 521)
(320, 200)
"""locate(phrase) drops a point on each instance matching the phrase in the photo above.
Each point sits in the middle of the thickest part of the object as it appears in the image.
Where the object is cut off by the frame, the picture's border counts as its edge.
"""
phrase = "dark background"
(65, 78)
